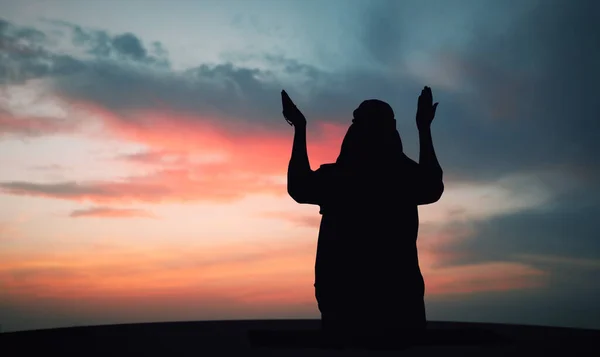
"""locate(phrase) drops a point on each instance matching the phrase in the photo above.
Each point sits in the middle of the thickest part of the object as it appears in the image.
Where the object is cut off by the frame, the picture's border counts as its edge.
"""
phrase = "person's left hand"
(291, 113)
(425, 109)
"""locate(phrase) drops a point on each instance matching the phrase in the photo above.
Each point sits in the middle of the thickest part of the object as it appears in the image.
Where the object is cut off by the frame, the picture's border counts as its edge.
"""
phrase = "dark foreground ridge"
(292, 338)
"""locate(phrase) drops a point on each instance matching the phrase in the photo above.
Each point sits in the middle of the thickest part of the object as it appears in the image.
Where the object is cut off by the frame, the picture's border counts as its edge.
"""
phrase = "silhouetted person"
(367, 276)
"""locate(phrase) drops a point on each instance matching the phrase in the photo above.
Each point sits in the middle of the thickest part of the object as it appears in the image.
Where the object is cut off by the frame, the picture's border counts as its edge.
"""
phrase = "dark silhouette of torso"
(367, 260)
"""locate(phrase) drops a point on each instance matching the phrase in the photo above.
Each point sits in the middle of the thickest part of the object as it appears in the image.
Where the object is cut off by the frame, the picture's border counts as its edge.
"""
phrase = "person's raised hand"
(291, 113)
(425, 109)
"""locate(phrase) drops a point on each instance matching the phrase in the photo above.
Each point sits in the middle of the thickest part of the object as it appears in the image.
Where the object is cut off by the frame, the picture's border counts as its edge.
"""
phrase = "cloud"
(560, 228)
(197, 161)
(153, 157)
(109, 212)
(487, 116)
(516, 99)
(592, 264)
(163, 186)
(295, 218)
(28, 52)
(542, 78)
(49, 167)
(484, 277)
(519, 87)
(226, 90)
(25, 55)
(12, 125)
(125, 46)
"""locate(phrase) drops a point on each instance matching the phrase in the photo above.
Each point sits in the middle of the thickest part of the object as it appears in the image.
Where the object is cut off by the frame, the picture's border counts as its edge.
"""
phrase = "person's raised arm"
(430, 174)
(301, 180)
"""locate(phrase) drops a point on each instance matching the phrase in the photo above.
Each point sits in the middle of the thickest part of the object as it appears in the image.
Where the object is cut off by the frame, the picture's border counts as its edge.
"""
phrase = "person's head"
(372, 137)
(375, 114)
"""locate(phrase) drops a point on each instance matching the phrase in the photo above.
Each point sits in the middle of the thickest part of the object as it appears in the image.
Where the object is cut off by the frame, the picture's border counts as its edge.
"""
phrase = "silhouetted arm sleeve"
(305, 186)
(429, 184)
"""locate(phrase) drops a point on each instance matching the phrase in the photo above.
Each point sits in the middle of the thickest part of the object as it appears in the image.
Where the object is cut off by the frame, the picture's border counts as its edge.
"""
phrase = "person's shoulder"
(326, 169)
(410, 166)
(409, 162)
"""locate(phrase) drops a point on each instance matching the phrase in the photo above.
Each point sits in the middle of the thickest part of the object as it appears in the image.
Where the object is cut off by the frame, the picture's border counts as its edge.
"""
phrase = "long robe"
(367, 273)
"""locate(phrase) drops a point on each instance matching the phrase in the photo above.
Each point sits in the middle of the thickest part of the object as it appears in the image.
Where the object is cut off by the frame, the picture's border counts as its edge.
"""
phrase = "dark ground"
(293, 338)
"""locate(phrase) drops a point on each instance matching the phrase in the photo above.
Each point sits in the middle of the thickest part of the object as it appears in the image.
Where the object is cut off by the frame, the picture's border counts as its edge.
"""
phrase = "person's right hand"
(425, 109)
(291, 113)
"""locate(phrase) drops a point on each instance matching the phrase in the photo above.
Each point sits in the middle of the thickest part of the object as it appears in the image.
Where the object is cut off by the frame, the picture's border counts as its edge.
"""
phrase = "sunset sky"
(143, 154)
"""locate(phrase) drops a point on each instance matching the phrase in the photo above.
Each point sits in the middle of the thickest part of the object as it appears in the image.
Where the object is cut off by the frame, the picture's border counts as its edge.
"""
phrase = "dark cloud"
(90, 190)
(543, 75)
(124, 46)
(110, 212)
(22, 54)
(152, 157)
(545, 65)
(222, 89)
(293, 66)
(527, 74)
(560, 238)
(382, 36)
(27, 52)
(174, 185)
(565, 227)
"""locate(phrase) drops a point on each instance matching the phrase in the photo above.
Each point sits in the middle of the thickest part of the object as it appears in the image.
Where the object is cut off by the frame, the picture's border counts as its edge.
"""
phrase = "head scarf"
(372, 139)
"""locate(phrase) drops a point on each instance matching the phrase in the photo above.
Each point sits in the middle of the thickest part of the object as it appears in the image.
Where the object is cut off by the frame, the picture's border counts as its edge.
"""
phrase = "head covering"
(374, 112)
(372, 137)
